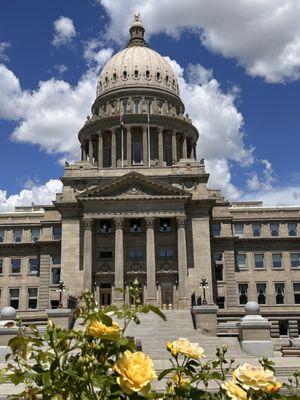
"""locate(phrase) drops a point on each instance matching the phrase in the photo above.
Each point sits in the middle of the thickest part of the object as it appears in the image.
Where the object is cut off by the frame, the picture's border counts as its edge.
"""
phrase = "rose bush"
(98, 362)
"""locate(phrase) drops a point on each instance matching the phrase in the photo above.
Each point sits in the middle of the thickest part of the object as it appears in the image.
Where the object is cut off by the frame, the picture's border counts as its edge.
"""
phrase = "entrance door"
(105, 294)
(167, 295)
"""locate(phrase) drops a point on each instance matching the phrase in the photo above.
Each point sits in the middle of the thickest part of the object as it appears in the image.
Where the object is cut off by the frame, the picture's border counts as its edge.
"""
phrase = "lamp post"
(60, 289)
(204, 285)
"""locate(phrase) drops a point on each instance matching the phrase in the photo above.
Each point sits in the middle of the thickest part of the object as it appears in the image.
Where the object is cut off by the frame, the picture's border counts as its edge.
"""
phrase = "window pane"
(56, 232)
(105, 226)
(135, 225)
(105, 254)
(1, 266)
(33, 266)
(55, 275)
(297, 292)
(165, 253)
(241, 260)
(295, 260)
(14, 298)
(259, 260)
(219, 272)
(32, 298)
(35, 234)
(16, 266)
(243, 293)
(239, 230)
(274, 229)
(216, 229)
(292, 229)
(165, 225)
(1, 235)
(256, 230)
(135, 254)
(276, 260)
(17, 235)
(261, 293)
(56, 260)
(279, 292)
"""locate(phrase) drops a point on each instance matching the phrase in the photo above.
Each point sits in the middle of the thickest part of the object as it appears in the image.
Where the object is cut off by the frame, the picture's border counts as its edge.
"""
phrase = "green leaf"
(164, 373)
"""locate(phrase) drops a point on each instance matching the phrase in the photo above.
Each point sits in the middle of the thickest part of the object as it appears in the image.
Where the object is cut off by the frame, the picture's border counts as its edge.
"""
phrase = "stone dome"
(137, 66)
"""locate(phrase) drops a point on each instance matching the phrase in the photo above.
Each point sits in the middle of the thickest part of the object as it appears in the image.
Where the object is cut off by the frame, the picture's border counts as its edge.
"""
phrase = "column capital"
(181, 221)
(88, 223)
(160, 129)
(119, 223)
(150, 222)
(174, 133)
(100, 133)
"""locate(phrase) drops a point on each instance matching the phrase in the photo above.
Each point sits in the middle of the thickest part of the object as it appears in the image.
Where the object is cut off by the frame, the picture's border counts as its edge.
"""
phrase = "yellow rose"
(274, 387)
(234, 391)
(186, 348)
(136, 372)
(253, 376)
(179, 380)
(99, 330)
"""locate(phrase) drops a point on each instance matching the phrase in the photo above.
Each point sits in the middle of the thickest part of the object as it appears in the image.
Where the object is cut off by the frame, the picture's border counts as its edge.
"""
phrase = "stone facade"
(137, 206)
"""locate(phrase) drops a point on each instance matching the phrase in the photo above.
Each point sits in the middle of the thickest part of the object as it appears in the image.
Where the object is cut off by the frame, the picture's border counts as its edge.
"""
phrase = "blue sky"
(238, 66)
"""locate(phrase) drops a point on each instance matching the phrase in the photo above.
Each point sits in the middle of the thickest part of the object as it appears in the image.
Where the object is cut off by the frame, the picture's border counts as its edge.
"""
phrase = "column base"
(184, 303)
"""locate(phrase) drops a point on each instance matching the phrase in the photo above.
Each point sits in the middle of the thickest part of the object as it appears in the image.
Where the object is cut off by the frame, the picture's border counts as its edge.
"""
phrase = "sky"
(238, 66)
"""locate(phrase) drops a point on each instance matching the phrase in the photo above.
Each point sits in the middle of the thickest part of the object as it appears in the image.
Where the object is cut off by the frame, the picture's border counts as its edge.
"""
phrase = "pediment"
(133, 186)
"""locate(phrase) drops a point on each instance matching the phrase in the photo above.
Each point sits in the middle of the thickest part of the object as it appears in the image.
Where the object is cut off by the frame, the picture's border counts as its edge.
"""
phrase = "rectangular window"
(295, 260)
(35, 234)
(105, 226)
(274, 229)
(243, 293)
(105, 254)
(259, 261)
(165, 253)
(276, 258)
(57, 233)
(32, 298)
(241, 261)
(1, 266)
(135, 225)
(16, 266)
(17, 233)
(292, 228)
(14, 298)
(135, 254)
(279, 293)
(221, 301)
(165, 225)
(55, 275)
(219, 272)
(296, 292)
(216, 229)
(239, 230)
(33, 266)
(261, 289)
(1, 235)
(256, 230)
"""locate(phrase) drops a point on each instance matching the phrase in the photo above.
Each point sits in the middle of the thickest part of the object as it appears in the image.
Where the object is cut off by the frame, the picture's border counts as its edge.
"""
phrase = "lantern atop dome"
(137, 32)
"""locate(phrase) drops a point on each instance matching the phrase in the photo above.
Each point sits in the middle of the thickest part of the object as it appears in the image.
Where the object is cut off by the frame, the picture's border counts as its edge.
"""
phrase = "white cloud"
(3, 47)
(61, 68)
(262, 35)
(266, 182)
(64, 31)
(277, 196)
(95, 55)
(43, 194)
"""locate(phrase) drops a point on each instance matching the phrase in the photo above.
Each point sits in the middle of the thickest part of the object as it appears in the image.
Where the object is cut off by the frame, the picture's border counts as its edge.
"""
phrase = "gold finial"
(137, 17)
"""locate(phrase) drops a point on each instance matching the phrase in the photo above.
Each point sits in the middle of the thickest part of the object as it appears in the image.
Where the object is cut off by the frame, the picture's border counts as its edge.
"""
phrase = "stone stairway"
(154, 333)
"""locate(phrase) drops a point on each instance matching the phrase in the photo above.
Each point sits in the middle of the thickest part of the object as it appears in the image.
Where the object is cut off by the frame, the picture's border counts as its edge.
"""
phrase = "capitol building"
(137, 206)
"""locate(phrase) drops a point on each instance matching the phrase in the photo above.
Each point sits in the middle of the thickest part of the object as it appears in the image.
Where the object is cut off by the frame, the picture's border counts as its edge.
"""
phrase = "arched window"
(124, 74)
(136, 73)
(147, 74)
(158, 76)
(106, 79)
(114, 76)
(167, 79)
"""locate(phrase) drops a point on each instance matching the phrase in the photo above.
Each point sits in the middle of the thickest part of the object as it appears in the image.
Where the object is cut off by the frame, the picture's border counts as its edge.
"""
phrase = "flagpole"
(148, 122)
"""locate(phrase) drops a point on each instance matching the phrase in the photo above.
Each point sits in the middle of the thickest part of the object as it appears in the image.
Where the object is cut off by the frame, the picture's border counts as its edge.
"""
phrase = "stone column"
(174, 147)
(91, 150)
(83, 153)
(119, 260)
(129, 161)
(87, 253)
(113, 148)
(151, 268)
(100, 150)
(184, 147)
(182, 263)
(145, 145)
(160, 147)
(195, 151)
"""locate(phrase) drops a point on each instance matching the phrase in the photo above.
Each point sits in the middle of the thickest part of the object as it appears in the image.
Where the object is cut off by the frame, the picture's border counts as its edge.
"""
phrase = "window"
(283, 327)
(279, 293)
(56, 232)
(259, 260)
(296, 292)
(136, 73)
(221, 302)
(274, 229)
(105, 254)
(167, 141)
(241, 261)
(135, 225)
(243, 293)
(137, 148)
(16, 266)
(216, 229)
(147, 74)
(261, 293)
(35, 234)
(165, 225)
(256, 230)
(55, 270)
(17, 235)
(32, 298)
(219, 272)
(135, 254)
(292, 228)
(33, 266)
(54, 304)
(105, 226)
(124, 74)
(276, 260)
(1, 266)
(295, 260)
(1, 235)
(165, 253)
(106, 150)
(14, 298)
(239, 230)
